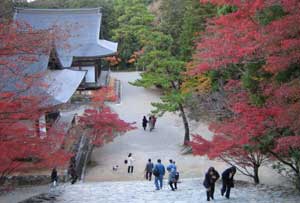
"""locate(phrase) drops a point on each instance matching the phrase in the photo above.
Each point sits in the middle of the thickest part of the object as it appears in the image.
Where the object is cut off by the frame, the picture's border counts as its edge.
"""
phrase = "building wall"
(90, 76)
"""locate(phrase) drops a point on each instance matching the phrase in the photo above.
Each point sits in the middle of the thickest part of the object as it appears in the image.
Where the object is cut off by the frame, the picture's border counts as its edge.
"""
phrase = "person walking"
(172, 165)
(148, 169)
(211, 177)
(72, 170)
(73, 174)
(145, 121)
(171, 178)
(130, 163)
(151, 123)
(159, 172)
(154, 121)
(176, 176)
(172, 169)
(54, 176)
(227, 181)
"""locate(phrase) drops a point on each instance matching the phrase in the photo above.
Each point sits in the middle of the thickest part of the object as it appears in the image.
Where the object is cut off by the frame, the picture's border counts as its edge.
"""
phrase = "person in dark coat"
(54, 176)
(145, 121)
(211, 177)
(73, 174)
(227, 180)
(148, 169)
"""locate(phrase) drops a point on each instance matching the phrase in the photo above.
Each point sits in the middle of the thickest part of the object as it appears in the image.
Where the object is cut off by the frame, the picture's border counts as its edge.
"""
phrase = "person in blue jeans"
(159, 172)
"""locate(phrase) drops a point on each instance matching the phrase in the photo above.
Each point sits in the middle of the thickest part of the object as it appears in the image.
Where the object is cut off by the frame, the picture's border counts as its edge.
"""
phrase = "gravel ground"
(165, 142)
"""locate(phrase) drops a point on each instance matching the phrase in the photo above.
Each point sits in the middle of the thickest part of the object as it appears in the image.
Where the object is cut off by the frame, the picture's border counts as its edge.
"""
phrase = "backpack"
(176, 176)
(155, 172)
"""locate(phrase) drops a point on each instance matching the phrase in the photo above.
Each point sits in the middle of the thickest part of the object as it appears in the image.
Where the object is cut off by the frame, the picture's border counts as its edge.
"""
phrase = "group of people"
(227, 182)
(158, 170)
(211, 176)
(151, 121)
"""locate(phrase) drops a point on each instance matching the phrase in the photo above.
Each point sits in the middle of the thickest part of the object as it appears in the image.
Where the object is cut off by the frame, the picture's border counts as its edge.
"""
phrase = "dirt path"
(164, 142)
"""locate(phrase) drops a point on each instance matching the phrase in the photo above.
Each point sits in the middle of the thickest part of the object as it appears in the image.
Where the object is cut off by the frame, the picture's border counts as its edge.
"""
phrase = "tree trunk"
(186, 125)
(297, 181)
(256, 177)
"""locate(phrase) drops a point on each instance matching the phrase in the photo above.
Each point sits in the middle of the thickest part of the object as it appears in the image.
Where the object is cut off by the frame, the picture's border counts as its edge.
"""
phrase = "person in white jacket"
(130, 163)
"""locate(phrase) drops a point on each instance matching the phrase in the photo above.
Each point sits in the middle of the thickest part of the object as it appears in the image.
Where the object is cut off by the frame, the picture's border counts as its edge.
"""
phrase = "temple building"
(72, 60)
(77, 45)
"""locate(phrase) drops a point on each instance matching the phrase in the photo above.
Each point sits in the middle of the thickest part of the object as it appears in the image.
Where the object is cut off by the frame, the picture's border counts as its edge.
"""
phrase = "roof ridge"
(56, 11)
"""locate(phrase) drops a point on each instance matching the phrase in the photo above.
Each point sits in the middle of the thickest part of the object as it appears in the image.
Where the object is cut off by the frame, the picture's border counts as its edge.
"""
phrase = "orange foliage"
(135, 56)
(199, 83)
(113, 60)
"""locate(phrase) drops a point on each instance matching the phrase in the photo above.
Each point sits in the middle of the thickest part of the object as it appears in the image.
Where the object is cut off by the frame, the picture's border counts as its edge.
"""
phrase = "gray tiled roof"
(81, 25)
(62, 84)
(54, 86)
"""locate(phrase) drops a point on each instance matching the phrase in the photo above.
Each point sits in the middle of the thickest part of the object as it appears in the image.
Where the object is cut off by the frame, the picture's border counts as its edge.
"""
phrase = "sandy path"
(164, 142)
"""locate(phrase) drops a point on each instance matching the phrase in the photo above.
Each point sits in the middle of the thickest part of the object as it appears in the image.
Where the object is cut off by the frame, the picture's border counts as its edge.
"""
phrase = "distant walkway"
(164, 142)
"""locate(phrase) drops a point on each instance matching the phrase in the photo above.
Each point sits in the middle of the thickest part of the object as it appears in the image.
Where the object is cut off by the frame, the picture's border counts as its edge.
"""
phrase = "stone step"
(189, 191)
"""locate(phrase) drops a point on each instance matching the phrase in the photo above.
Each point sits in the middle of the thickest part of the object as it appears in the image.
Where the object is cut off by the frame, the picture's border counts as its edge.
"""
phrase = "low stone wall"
(32, 180)
(82, 151)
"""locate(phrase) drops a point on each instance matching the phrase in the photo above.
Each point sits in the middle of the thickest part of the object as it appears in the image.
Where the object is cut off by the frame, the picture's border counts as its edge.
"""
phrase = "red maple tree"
(21, 103)
(265, 34)
(101, 123)
(236, 139)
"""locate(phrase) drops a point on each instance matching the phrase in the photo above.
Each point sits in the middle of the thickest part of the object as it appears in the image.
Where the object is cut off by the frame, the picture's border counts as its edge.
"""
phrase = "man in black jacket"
(227, 179)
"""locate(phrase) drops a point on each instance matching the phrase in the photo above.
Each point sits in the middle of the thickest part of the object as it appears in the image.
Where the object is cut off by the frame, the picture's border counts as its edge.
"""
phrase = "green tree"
(193, 22)
(166, 72)
(133, 20)
(183, 20)
(6, 9)
(171, 13)
(167, 48)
